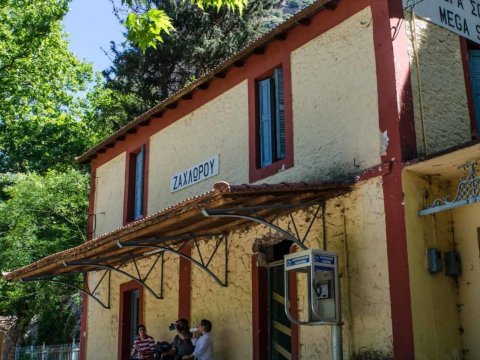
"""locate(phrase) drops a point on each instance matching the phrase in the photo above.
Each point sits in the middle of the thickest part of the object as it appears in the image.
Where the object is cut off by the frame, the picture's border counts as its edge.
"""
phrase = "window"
(271, 119)
(135, 200)
(474, 63)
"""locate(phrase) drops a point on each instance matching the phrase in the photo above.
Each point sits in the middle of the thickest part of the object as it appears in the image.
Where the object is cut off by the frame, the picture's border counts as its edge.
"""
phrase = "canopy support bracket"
(204, 261)
(100, 263)
(86, 290)
(251, 213)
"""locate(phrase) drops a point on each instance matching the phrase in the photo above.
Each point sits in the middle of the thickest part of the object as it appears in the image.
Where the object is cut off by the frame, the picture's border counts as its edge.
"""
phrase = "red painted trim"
(185, 284)
(91, 205)
(259, 311)
(130, 183)
(83, 320)
(374, 171)
(124, 288)
(255, 172)
(396, 117)
(293, 287)
(275, 53)
(468, 87)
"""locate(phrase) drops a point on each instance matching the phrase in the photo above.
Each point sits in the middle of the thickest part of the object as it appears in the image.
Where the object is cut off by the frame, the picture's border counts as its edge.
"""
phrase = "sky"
(91, 25)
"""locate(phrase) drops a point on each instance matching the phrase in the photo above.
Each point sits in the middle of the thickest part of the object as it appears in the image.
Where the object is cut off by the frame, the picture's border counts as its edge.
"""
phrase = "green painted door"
(279, 326)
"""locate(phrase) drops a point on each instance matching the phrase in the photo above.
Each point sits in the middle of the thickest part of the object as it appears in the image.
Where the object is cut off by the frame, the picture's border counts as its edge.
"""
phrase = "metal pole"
(337, 341)
(337, 350)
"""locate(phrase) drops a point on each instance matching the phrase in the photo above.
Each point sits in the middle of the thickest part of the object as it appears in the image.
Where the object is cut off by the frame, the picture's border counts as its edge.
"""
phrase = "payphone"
(323, 288)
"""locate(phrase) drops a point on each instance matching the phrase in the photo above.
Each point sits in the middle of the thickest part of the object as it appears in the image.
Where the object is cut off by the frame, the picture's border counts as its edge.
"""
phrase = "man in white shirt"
(204, 344)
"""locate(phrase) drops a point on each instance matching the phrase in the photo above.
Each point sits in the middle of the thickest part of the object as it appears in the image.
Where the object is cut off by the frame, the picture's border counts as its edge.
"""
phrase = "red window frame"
(129, 193)
(256, 172)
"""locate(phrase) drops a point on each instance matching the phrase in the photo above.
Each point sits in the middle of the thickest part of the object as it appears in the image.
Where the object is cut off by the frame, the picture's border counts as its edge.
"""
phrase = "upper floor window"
(135, 189)
(474, 63)
(271, 122)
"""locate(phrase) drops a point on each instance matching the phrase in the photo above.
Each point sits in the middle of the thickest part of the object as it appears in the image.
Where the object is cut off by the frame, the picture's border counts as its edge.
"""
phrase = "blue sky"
(91, 25)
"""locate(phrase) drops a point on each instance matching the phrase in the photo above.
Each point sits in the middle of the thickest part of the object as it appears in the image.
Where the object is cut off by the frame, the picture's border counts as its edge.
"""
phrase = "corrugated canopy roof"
(183, 219)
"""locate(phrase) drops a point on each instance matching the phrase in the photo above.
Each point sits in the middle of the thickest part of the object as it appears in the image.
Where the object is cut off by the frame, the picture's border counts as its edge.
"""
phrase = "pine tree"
(202, 40)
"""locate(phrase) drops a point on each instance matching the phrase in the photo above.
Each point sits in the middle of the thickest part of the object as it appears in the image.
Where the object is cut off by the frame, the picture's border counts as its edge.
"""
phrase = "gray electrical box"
(434, 260)
(323, 289)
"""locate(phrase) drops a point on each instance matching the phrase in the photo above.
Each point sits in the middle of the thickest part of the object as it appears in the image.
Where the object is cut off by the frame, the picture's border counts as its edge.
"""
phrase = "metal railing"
(49, 352)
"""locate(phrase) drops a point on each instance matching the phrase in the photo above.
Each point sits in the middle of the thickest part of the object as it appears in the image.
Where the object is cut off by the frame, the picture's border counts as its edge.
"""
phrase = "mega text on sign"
(460, 16)
(196, 173)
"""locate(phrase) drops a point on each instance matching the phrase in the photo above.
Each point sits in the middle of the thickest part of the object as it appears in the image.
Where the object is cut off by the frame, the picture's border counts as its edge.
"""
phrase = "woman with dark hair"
(143, 346)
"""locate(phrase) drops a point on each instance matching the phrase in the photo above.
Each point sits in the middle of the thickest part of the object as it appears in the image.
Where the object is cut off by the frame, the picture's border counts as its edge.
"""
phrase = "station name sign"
(194, 174)
(459, 16)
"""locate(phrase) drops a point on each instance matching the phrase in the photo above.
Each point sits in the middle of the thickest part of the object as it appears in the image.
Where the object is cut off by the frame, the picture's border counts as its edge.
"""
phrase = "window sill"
(272, 169)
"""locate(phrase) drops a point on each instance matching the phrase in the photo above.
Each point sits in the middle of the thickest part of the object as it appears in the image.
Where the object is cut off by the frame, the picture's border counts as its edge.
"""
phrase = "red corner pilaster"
(396, 117)
(259, 310)
(185, 284)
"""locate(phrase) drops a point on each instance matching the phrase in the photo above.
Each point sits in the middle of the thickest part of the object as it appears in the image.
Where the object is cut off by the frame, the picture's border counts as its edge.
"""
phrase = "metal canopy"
(207, 216)
(468, 192)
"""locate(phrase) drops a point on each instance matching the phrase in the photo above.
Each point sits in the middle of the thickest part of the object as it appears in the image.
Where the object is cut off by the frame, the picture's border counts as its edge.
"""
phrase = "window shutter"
(279, 115)
(266, 113)
(474, 59)
(138, 197)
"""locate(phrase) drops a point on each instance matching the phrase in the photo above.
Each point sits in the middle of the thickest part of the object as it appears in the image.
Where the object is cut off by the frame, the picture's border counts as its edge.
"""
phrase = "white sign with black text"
(195, 174)
(459, 16)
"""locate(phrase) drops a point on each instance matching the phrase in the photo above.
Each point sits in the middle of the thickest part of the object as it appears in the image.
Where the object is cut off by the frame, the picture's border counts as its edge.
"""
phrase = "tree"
(146, 27)
(202, 40)
(39, 122)
(41, 215)
(42, 211)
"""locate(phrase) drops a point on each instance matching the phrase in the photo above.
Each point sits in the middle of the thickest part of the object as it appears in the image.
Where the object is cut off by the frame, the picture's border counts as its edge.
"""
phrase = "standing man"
(143, 346)
(204, 344)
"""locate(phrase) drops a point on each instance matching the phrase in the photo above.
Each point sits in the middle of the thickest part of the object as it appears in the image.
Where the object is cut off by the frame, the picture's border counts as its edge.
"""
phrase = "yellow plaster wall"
(467, 232)
(335, 108)
(335, 120)
(440, 103)
(218, 127)
(102, 324)
(229, 308)
(109, 193)
(356, 231)
(434, 302)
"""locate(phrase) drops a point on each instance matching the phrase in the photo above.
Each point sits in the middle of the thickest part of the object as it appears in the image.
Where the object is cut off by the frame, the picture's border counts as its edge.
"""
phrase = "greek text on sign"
(195, 174)
(459, 16)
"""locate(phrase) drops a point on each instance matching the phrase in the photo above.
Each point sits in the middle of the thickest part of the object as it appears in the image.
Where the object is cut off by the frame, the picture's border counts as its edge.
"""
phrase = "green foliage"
(145, 29)
(39, 123)
(41, 215)
(201, 41)
(43, 201)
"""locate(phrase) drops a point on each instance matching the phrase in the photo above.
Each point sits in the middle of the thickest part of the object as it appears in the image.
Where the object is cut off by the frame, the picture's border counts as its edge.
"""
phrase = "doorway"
(131, 315)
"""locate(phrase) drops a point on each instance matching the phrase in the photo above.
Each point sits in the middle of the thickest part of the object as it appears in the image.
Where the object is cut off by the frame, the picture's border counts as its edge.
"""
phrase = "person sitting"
(143, 346)
(182, 343)
(203, 345)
